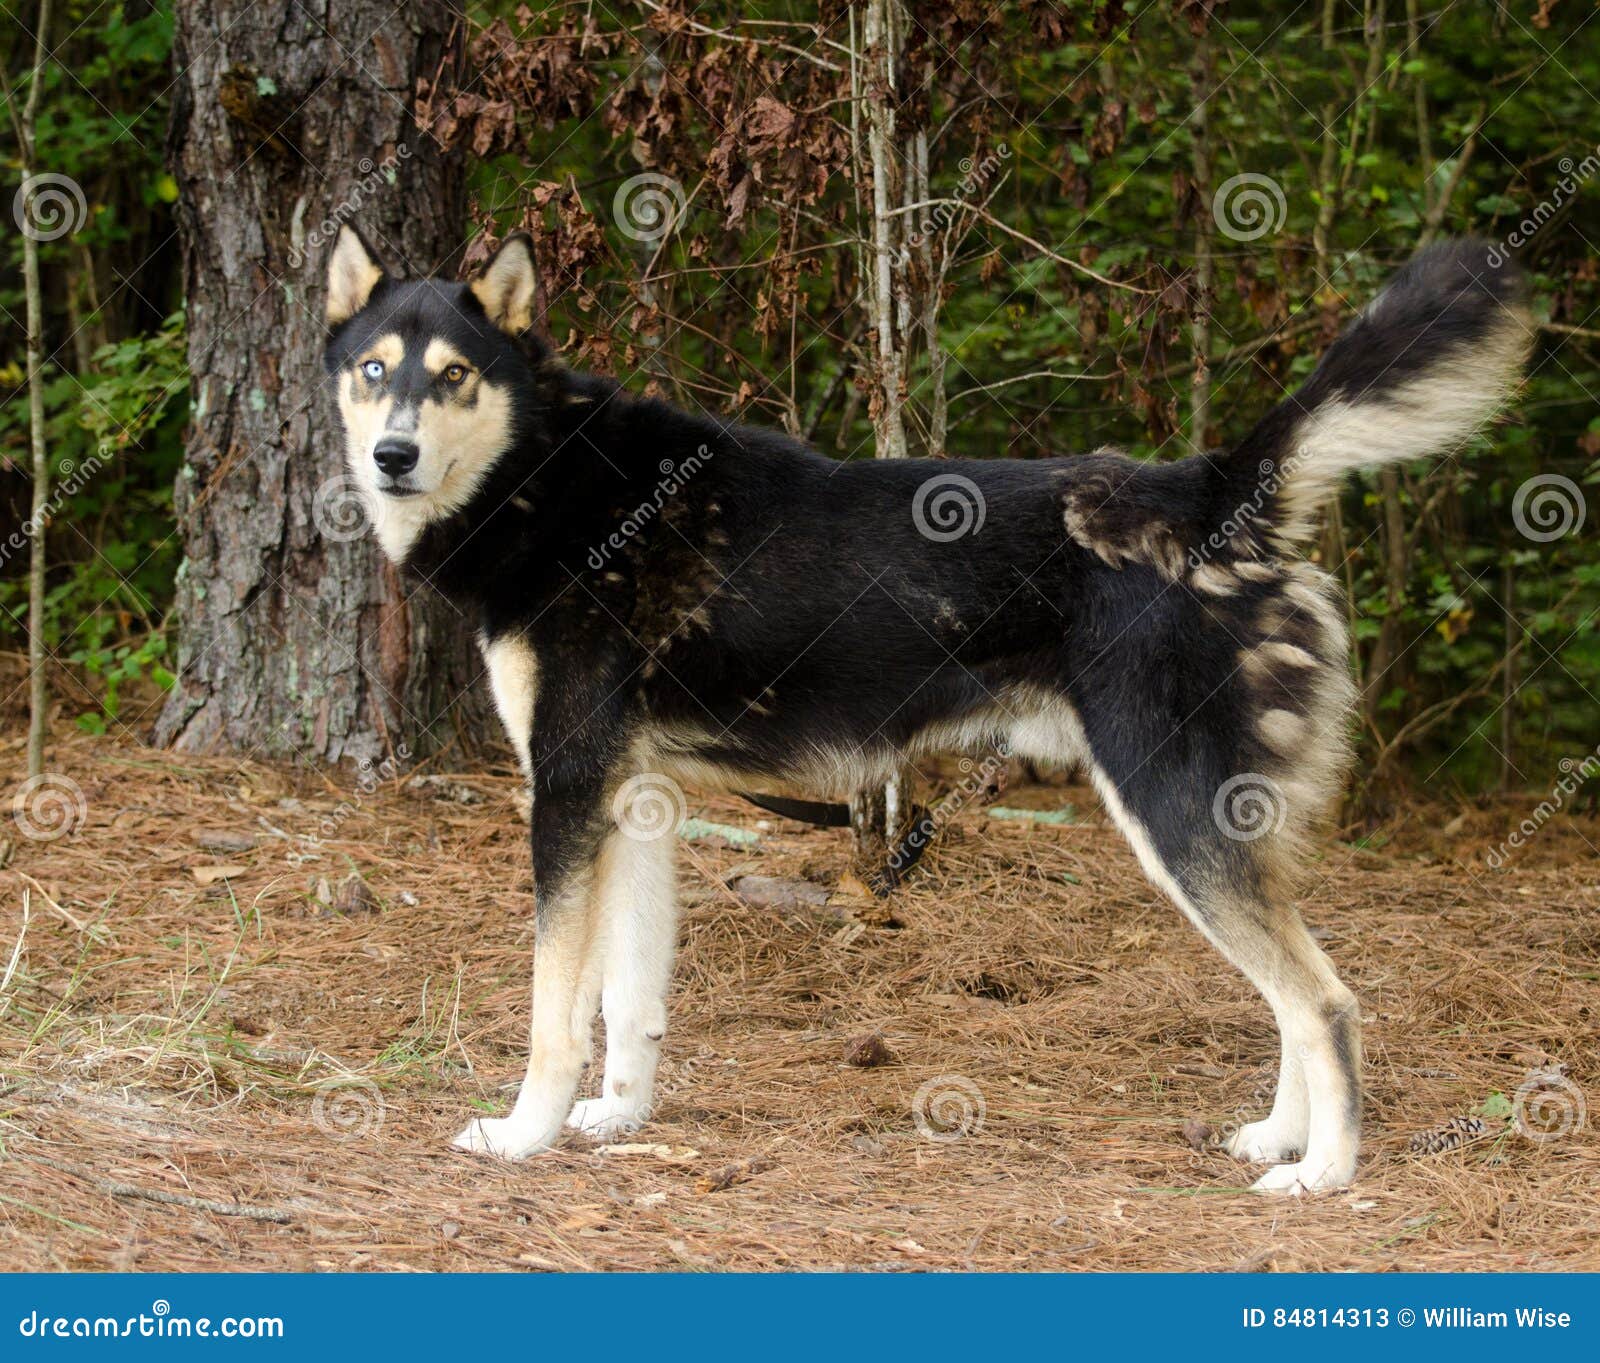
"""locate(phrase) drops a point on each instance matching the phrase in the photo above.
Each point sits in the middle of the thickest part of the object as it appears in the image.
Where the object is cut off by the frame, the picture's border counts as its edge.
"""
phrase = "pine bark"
(292, 641)
(38, 692)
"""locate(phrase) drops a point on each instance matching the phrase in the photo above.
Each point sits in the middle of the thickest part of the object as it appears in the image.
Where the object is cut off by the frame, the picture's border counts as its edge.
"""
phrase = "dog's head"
(428, 375)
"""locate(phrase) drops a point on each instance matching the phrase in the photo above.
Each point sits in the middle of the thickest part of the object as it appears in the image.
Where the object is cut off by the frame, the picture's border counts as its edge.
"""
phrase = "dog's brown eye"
(455, 373)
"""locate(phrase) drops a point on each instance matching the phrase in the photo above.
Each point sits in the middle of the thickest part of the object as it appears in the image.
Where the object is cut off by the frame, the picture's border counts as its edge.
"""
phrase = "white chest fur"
(514, 682)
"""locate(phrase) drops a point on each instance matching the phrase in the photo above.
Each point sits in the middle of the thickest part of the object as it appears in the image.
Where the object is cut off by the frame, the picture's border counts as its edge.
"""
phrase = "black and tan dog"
(666, 597)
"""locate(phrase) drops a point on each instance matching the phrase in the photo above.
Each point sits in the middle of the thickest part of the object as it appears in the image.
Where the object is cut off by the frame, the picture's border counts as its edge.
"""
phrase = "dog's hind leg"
(1312, 1134)
(636, 894)
(1281, 1136)
(1166, 783)
(1219, 885)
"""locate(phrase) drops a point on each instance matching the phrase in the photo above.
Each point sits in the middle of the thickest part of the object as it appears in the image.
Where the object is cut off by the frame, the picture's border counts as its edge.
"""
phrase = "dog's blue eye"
(373, 369)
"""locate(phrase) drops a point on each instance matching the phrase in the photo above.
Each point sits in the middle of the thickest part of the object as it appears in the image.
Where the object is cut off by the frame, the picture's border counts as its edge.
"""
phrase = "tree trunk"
(38, 694)
(295, 637)
(1204, 260)
(1382, 676)
(876, 815)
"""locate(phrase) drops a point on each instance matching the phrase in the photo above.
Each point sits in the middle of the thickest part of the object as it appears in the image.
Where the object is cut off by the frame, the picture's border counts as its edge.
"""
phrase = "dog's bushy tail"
(1428, 361)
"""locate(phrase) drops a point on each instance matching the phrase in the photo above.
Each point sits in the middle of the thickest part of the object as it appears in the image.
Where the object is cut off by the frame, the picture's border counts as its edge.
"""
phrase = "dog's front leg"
(636, 897)
(566, 841)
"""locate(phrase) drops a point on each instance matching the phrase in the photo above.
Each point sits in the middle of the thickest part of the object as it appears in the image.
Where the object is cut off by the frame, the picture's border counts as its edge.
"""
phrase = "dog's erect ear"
(506, 285)
(353, 273)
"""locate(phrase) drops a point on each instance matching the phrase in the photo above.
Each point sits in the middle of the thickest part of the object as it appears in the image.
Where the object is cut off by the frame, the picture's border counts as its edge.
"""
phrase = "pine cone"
(1455, 1133)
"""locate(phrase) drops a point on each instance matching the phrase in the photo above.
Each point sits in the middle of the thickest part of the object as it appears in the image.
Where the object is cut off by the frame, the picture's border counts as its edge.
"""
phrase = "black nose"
(395, 456)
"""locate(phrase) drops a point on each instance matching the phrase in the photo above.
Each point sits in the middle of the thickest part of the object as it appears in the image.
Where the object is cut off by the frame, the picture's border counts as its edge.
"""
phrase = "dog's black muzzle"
(396, 456)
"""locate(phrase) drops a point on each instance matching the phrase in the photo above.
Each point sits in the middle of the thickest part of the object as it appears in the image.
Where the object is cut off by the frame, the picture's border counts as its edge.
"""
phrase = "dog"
(663, 596)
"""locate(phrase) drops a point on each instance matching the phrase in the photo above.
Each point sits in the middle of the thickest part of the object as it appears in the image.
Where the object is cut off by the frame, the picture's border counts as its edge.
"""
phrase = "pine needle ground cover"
(246, 1006)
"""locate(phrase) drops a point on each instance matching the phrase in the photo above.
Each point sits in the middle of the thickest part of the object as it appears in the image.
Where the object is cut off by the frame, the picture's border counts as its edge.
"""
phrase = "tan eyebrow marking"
(389, 348)
(440, 355)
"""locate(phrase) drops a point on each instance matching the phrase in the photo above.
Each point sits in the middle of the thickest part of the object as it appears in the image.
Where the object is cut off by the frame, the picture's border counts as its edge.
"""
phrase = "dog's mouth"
(400, 490)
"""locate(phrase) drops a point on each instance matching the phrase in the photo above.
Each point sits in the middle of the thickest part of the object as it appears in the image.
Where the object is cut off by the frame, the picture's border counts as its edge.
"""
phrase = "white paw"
(1302, 1178)
(604, 1118)
(1265, 1142)
(503, 1136)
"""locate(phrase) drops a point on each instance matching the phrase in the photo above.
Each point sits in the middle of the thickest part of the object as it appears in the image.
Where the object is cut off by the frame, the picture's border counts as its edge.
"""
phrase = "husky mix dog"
(664, 596)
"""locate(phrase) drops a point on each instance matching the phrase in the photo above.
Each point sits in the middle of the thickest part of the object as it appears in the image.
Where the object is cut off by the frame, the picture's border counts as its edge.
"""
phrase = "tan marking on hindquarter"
(1283, 730)
(1214, 580)
(1262, 659)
